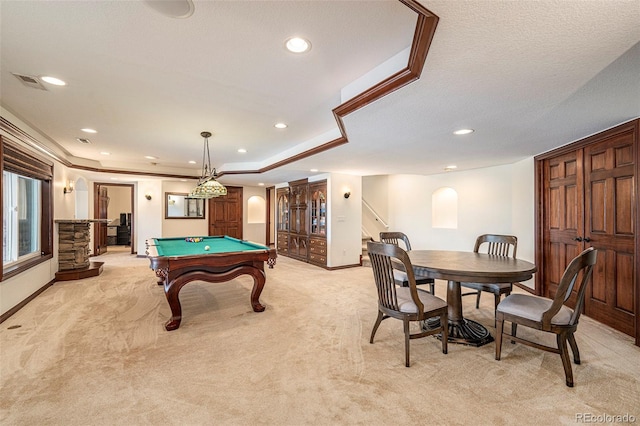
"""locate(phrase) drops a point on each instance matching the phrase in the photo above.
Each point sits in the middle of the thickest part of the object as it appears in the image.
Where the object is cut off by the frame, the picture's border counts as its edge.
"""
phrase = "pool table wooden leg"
(171, 291)
(258, 284)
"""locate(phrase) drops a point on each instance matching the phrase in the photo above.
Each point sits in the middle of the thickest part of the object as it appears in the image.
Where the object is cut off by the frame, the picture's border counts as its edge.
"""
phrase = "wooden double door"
(587, 196)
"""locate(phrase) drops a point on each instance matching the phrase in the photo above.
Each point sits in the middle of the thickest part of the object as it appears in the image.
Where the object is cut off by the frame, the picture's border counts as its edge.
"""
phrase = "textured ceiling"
(527, 76)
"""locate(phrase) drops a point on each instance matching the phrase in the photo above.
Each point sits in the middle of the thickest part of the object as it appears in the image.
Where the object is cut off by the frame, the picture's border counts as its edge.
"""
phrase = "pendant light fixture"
(208, 186)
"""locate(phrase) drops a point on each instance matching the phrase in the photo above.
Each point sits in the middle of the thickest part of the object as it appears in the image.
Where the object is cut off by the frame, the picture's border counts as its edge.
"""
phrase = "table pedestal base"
(464, 331)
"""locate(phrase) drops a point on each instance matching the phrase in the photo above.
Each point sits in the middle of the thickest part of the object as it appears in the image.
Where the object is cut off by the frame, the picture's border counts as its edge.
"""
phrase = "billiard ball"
(206, 248)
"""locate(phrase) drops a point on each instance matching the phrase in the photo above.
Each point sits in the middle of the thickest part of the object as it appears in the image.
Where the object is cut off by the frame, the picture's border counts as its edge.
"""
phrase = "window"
(21, 218)
(27, 207)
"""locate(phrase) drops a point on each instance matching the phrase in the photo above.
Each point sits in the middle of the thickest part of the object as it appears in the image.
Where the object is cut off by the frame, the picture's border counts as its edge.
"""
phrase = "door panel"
(225, 214)
(609, 199)
(604, 170)
(564, 217)
(100, 212)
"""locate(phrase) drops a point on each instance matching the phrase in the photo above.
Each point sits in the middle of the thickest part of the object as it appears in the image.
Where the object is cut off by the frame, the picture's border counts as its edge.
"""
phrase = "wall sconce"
(69, 188)
(148, 196)
(347, 194)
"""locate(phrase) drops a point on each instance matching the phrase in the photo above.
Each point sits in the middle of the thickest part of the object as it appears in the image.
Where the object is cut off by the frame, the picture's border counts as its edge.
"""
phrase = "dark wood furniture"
(301, 221)
(460, 266)
(495, 245)
(550, 315)
(403, 303)
(123, 237)
(401, 277)
(587, 195)
(318, 223)
(282, 220)
(299, 225)
(178, 262)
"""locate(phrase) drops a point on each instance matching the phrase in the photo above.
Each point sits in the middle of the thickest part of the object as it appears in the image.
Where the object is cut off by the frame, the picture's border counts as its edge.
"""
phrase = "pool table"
(178, 261)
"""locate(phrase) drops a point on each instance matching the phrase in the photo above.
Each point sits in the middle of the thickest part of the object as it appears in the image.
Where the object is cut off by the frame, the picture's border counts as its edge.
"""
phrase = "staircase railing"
(373, 219)
(376, 215)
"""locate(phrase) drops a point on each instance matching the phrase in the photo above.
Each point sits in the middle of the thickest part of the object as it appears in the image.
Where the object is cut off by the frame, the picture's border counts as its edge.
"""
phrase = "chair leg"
(478, 299)
(514, 330)
(376, 325)
(495, 308)
(564, 354)
(406, 340)
(499, 329)
(574, 348)
(444, 323)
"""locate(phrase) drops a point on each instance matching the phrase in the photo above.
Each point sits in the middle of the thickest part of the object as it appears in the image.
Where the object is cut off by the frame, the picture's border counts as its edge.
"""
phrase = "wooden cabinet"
(318, 208)
(318, 251)
(282, 221)
(301, 221)
(298, 214)
(587, 196)
(318, 223)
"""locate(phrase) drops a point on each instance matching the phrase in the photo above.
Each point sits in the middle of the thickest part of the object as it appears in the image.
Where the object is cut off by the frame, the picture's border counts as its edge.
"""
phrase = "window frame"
(16, 159)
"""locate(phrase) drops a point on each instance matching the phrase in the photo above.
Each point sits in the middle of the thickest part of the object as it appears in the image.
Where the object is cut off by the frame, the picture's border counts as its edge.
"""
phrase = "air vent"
(83, 140)
(30, 81)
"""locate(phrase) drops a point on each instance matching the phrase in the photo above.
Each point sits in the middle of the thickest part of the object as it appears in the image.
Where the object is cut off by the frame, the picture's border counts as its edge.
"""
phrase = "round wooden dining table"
(460, 266)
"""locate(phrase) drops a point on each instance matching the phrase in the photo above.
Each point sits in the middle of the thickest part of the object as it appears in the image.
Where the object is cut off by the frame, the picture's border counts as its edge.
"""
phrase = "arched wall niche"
(82, 198)
(256, 209)
(444, 208)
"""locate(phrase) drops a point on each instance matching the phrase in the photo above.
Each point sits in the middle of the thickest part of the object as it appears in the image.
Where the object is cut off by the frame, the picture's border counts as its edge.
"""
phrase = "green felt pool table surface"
(218, 244)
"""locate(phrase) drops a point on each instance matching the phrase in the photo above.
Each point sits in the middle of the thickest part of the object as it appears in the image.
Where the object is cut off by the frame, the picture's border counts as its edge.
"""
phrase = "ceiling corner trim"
(426, 24)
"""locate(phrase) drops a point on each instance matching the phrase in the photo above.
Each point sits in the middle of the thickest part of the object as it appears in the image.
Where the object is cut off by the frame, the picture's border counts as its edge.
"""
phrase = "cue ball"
(206, 248)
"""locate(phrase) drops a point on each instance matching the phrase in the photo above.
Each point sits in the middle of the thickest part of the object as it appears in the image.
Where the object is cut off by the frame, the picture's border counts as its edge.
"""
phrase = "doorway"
(113, 202)
(587, 196)
(225, 213)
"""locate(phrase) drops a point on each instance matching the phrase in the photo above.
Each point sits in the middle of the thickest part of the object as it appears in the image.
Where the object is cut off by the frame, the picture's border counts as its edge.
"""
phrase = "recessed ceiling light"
(463, 132)
(150, 157)
(450, 168)
(242, 150)
(280, 126)
(313, 170)
(172, 8)
(297, 45)
(192, 162)
(87, 130)
(53, 80)
(105, 153)
(261, 184)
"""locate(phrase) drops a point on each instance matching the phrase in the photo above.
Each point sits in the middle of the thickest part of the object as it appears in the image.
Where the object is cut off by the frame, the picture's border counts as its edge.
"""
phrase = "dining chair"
(496, 245)
(401, 276)
(550, 315)
(404, 303)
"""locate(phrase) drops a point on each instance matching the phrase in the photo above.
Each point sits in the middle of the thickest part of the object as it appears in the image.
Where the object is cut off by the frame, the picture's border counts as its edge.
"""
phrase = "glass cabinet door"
(283, 210)
(319, 210)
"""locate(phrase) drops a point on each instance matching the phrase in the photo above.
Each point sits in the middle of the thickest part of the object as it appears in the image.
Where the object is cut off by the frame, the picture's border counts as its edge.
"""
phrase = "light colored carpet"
(95, 352)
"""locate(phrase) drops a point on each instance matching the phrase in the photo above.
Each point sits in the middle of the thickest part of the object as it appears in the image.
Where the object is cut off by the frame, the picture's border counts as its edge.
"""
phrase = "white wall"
(181, 227)
(119, 201)
(344, 215)
(148, 213)
(484, 206)
(497, 200)
(256, 232)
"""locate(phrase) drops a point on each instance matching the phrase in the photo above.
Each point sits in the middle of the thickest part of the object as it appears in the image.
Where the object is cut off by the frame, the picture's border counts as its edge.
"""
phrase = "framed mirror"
(178, 205)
